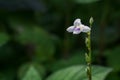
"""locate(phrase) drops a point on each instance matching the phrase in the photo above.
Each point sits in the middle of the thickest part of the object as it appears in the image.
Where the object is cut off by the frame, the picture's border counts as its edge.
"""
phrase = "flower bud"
(91, 20)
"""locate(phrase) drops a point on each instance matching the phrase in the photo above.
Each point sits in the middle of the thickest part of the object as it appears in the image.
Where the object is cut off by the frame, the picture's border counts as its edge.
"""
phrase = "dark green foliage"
(86, 1)
(41, 40)
(34, 43)
(3, 38)
(77, 58)
(113, 58)
(22, 4)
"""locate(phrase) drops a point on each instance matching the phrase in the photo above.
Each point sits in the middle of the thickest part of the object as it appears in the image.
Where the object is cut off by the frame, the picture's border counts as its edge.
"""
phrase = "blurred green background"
(33, 32)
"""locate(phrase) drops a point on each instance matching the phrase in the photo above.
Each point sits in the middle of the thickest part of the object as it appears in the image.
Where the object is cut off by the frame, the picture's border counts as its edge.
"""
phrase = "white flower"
(78, 27)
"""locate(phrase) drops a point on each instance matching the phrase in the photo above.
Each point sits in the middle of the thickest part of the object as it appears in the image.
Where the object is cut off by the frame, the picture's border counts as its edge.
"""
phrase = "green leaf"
(79, 73)
(31, 74)
(3, 38)
(86, 1)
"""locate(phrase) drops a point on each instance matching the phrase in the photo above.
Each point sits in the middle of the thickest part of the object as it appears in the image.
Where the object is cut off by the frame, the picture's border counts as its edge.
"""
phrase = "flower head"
(78, 27)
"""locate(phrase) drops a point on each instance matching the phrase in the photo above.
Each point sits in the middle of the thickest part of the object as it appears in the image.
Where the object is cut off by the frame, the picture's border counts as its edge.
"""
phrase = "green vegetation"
(34, 43)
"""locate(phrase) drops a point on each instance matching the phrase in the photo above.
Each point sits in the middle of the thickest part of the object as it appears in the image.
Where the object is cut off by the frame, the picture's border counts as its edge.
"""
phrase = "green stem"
(89, 71)
(88, 55)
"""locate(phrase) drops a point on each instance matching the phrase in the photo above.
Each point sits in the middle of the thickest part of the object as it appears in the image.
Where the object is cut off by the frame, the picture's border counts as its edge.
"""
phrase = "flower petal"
(85, 28)
(70, 29)
(77, 30)
(77, 22)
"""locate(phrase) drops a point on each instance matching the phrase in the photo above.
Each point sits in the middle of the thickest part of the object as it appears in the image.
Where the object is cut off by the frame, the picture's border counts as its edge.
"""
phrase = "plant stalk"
(88, 54)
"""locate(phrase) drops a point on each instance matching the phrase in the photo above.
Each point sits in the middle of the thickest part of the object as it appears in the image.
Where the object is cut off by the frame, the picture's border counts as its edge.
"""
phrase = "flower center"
(78, 29)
